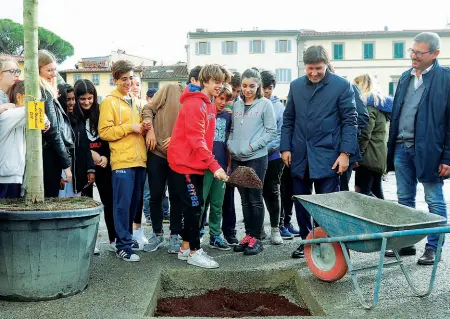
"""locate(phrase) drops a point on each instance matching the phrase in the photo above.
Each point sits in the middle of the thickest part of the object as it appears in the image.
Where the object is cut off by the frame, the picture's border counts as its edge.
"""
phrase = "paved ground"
(122, 290)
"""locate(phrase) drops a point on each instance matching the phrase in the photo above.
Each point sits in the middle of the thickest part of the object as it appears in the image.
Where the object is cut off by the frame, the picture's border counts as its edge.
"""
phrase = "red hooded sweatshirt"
(191, 143)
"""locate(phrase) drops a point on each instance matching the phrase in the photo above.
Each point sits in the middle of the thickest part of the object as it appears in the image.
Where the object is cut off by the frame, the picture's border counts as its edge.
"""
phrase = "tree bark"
(34, 167)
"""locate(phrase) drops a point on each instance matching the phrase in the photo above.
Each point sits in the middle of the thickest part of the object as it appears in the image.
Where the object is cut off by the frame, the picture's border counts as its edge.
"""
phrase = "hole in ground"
(226, 293)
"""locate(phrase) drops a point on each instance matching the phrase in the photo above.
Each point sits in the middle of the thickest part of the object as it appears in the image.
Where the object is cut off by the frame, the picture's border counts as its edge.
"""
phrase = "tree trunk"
(34, 168)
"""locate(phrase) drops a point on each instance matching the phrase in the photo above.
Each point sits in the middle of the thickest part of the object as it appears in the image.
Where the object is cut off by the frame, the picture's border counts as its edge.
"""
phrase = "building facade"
(381, 53)
(266, 49)
(155, 77)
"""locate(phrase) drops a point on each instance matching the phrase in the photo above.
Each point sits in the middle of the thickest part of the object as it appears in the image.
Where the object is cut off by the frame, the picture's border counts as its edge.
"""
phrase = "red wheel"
(329, 263)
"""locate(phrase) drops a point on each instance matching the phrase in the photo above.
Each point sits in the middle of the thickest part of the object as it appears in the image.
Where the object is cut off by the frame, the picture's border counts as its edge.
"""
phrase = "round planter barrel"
(46, 254)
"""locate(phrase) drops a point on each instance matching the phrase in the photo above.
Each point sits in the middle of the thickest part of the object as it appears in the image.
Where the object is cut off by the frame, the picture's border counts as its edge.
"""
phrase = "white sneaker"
(275, 236)
(111, 247)
(96, 251)
(138, 234)
(201, 259)
(183, 254)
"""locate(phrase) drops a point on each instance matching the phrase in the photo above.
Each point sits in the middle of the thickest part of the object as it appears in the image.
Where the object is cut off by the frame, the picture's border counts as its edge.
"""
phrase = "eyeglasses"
(14, 71)
(418, 54)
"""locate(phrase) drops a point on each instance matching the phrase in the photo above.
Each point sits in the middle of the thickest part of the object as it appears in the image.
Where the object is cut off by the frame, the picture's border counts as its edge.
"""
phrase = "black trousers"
(369, 182)
(252, 199)
(52, 172)
(287, 191)
(187, 194)
(229, 213)
(103, 180)
(159, 175)
(271, 190)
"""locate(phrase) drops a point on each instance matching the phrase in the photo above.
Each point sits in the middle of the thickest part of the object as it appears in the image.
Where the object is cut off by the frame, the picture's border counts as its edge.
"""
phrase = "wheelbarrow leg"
(352, 273)
(433, 272)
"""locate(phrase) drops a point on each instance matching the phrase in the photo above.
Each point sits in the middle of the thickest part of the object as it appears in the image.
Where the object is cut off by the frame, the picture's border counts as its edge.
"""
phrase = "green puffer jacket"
(373, 141)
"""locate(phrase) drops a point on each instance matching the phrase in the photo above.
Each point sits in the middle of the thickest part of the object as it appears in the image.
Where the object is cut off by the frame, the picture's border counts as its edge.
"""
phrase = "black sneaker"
(239, 248)
(127, 256)
(231, 240)
(135, 245)
(218, 243)
(299, 252)
(254, 247)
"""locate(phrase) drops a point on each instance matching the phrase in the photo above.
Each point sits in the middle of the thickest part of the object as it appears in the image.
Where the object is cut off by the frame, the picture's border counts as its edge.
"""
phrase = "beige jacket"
(163, 119)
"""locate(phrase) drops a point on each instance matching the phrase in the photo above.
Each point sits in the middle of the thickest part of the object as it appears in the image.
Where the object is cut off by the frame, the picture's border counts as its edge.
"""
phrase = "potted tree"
(46, 245)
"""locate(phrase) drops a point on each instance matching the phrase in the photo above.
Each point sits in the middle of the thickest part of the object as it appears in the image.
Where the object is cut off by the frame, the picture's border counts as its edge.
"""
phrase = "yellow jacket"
(115, 126)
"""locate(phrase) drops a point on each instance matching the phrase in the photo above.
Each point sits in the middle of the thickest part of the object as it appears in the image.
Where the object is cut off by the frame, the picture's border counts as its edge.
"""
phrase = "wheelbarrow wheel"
(326, 260)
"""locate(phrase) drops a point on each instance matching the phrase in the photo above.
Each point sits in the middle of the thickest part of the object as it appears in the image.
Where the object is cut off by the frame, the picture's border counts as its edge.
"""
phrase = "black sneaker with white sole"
(231, 240)
(135, 245)
(127, 256)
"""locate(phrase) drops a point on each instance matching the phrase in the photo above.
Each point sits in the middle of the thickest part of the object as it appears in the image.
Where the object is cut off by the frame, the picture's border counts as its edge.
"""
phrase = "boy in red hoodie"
(190, 155)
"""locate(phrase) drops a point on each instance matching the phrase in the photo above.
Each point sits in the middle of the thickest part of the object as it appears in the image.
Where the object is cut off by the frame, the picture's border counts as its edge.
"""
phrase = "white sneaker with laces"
(139, 236)
(201, 259)
(122, 254)
(96, 251)
(111, 247)
(183, 254)
(275, 236)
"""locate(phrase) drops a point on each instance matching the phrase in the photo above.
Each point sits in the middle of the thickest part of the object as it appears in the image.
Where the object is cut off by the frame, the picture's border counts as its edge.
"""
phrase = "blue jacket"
(432, 127)
(274, 146)
(317, 127)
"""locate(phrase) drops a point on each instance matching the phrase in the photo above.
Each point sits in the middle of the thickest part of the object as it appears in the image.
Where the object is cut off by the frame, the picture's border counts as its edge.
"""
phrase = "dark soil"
(50, 204)
(228, 303)
(245, 177)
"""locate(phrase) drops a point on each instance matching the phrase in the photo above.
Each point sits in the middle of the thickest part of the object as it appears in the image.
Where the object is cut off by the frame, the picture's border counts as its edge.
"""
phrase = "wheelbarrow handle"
(399, 233)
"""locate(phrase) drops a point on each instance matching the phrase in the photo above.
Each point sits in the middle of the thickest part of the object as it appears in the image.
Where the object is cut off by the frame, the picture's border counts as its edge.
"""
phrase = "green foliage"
(11, 40)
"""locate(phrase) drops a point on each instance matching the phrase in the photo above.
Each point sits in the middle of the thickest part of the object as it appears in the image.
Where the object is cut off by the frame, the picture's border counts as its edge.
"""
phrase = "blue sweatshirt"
(274, 146)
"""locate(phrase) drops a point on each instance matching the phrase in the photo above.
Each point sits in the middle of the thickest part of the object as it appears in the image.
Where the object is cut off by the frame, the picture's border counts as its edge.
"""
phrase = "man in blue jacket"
(319, 131)
(419, 135)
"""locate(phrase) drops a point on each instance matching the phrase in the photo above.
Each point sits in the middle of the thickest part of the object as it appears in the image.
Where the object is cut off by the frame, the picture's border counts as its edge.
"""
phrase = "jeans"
(158, 175)
(405, 174)
(10, 190)
(287, 191)
(252, 199)
(188, 192)
(271, 190)
(146, 198)
(128, 185)
(215, 189)
(303, 186)
(369, 182)
(228, 213)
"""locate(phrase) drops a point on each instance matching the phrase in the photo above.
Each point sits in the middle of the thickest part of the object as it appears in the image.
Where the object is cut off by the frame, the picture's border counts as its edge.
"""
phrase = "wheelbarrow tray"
(350, 213)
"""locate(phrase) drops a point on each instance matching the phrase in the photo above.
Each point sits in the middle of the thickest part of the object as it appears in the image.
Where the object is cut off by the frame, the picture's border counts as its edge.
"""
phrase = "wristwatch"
(348, 154)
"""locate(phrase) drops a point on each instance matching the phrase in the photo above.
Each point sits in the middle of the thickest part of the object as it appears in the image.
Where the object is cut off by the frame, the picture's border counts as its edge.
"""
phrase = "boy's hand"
(150, 140)
(166, 143)
(341, 163)
(137, 128)
(103, 162)
(286, 157)
(147, 125)
(221, 175)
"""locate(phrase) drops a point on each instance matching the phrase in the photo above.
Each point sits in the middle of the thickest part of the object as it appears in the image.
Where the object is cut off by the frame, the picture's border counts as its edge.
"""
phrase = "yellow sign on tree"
(36, 118)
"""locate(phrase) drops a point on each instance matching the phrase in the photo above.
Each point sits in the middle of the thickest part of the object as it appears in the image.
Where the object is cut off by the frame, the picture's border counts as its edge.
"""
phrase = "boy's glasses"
(13, 71)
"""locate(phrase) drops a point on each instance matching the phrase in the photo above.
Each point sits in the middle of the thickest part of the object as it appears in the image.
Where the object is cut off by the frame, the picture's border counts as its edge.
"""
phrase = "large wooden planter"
(46, 255)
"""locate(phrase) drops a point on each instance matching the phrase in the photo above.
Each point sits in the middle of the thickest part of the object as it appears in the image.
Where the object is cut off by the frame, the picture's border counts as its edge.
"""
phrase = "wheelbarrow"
(352, 221)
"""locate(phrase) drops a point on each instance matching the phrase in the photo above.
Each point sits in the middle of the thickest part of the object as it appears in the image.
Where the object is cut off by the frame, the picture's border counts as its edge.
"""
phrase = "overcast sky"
(158, 29)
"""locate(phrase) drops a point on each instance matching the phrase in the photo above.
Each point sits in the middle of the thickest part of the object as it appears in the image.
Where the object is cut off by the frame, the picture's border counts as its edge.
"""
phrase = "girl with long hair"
(9, 74)
(254, 126)
(57, 142)
(373, 139)
(88, 109)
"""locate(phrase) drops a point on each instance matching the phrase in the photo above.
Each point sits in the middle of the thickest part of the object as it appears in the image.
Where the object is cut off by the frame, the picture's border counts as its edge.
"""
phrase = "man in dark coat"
(319, 131)
(419, 135)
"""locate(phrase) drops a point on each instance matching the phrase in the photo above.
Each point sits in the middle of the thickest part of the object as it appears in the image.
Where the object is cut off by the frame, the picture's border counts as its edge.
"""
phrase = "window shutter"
(289, 75)
(263, 46)
(196, 48)
(277, 43)
(208, 51)
(235, 47)
(223, 47)
(277, 75)
(250, 46)
(289, 45)
(391, 88)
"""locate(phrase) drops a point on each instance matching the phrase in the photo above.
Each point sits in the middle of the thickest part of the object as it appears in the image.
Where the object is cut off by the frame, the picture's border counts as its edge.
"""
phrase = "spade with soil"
(245, 177)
